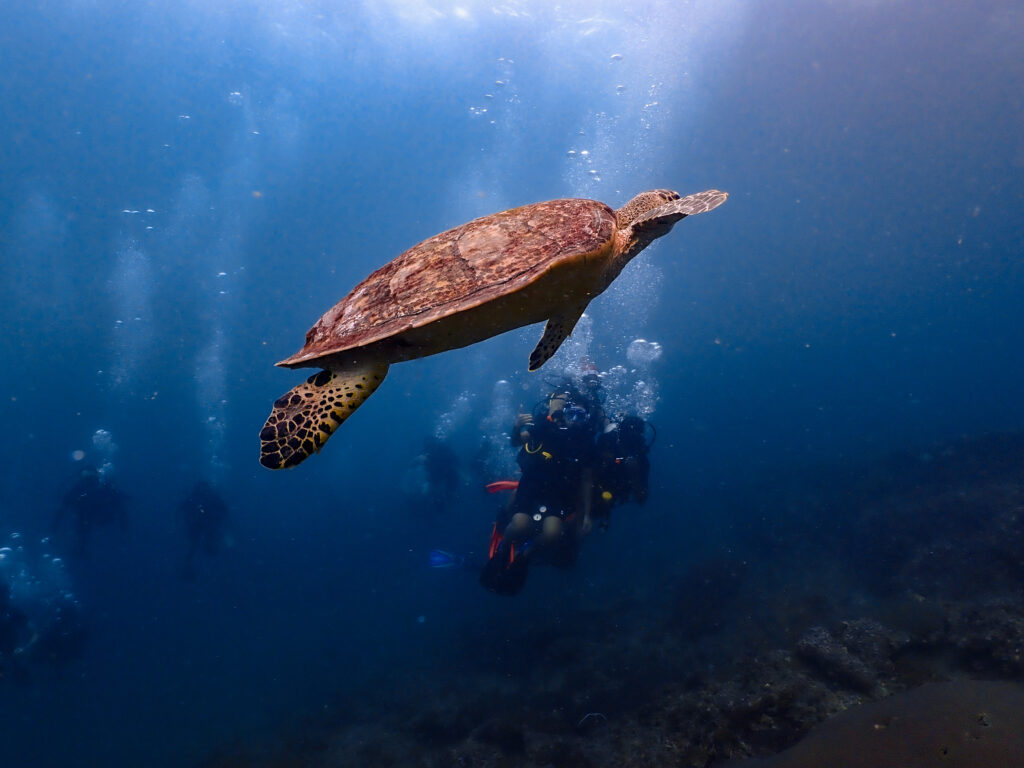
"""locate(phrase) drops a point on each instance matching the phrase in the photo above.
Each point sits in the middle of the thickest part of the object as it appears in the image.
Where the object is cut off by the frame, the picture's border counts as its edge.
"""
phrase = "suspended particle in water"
(616, 57)
(235, 98)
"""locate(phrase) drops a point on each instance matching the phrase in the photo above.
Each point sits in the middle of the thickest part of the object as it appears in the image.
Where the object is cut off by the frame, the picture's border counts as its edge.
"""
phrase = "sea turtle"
(544, 261)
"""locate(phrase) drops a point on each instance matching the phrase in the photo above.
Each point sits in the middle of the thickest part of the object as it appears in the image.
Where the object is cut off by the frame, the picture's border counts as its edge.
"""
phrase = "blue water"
(185, 187)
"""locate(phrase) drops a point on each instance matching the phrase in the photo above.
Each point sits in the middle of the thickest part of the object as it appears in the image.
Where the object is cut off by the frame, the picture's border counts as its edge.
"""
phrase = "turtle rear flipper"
(303, 419)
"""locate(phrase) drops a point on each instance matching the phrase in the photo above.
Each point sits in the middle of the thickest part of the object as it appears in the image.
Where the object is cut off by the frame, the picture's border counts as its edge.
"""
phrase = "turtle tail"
(303, 419)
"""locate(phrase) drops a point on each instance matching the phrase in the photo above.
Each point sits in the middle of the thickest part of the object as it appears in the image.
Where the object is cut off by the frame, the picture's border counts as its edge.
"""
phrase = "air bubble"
(642, 353)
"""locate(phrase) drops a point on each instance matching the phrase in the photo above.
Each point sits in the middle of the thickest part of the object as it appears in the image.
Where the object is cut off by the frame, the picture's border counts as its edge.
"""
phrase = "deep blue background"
(860, 293)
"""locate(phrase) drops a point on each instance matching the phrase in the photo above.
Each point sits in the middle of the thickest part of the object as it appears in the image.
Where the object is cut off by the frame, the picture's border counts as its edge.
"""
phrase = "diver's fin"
(501, 485)
(555, 332)
(438, 558)
(303, 419)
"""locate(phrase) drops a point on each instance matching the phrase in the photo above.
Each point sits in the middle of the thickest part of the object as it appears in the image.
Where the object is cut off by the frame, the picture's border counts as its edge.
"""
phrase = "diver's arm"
(58, 515)
(520, 433)
(587, 499)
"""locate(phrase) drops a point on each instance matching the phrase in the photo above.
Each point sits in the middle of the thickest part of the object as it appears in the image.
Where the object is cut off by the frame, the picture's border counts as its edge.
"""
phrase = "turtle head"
(643, 203)
(640, 222)
(651, 215)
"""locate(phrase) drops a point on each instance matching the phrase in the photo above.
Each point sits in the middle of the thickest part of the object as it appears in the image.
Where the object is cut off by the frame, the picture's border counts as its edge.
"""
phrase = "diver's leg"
(518, 527)
(552, 530)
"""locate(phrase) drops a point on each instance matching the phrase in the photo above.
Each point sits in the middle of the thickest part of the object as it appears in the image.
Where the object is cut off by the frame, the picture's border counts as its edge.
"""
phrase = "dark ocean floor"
(898, 582)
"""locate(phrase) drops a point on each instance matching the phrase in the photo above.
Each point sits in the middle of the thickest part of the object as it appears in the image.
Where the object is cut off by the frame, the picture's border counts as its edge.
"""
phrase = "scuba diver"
(433, 478)
(61, 636)
(14, 625)
(204, 513)
(550, 510)
(94, 502)
(17, 635)
(622, 466)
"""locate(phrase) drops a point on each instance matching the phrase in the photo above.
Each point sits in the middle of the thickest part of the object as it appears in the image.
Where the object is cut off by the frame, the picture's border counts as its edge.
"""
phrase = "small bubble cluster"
(498, 457)
(642, 353)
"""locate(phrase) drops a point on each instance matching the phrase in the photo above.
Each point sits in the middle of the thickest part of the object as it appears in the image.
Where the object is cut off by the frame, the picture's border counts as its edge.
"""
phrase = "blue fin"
(441, 559)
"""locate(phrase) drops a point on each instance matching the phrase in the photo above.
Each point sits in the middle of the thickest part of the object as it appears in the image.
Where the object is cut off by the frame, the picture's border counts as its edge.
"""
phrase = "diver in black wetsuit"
(94, 502)
(441, 466)
(204, 514)
(61, 639)
(16, 636)
(622, 466)
(550, 511)
(13, 624)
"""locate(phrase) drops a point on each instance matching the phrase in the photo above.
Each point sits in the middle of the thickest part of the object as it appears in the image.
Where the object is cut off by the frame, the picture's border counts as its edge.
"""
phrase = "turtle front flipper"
(303, 419)
(556, 331)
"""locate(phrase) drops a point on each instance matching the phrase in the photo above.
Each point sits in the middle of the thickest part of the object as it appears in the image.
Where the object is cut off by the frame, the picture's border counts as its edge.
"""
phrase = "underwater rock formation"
(963, 724)
(852, 624)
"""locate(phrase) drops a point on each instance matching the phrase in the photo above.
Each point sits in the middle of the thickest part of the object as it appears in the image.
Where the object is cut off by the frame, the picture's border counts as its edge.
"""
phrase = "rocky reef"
(871, 599)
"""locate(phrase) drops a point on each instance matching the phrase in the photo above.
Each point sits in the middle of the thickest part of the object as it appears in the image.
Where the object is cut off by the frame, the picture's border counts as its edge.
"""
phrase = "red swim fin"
(495, 541)
(502, 485)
